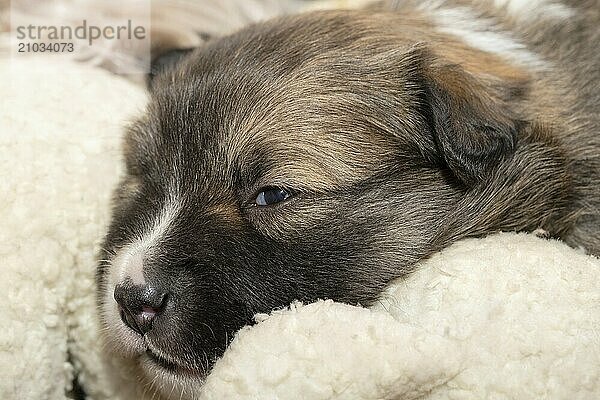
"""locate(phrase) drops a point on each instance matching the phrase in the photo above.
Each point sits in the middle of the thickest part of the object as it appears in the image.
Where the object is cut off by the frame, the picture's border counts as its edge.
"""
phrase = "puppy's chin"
(169, 379)
(161, 372)
(154, 357)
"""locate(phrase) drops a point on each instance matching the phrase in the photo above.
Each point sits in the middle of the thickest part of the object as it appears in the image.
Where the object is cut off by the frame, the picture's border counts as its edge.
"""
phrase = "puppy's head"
(306, 158)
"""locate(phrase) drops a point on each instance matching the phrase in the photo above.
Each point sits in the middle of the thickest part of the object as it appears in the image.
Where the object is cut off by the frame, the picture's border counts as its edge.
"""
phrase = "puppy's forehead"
(282, 109)
(285, 136)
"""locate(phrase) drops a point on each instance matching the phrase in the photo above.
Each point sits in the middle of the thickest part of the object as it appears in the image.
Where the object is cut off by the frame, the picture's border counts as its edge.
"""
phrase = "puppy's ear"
(163, 61)
(470, 118)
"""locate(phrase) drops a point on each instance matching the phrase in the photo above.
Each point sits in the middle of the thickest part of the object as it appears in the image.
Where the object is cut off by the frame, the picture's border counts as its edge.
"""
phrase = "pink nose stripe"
(148, 312)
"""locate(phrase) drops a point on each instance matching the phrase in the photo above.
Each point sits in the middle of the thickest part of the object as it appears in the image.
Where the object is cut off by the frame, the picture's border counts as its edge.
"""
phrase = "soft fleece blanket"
(505, 317)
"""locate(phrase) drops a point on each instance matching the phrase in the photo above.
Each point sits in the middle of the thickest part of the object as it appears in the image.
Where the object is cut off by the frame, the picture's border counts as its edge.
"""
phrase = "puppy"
(320, 156)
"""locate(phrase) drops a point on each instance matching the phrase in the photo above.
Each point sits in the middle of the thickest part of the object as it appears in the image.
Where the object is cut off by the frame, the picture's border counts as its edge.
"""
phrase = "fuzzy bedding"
(506, 317)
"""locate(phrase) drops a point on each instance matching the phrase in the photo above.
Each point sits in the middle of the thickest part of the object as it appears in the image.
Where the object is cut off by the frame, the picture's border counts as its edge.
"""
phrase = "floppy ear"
(470, 118)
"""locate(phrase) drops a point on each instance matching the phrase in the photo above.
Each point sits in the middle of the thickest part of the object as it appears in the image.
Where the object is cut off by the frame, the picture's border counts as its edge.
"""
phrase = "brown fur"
(394, 140)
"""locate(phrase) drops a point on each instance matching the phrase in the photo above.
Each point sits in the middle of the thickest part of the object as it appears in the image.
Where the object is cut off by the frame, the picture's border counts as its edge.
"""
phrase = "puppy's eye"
(271, 195)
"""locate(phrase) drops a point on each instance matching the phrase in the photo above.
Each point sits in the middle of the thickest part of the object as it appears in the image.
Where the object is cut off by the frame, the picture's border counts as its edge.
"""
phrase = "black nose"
(139, 305)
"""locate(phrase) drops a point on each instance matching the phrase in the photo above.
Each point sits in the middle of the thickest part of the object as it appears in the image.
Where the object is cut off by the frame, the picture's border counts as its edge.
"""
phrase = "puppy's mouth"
(172, 366)
(163, 363)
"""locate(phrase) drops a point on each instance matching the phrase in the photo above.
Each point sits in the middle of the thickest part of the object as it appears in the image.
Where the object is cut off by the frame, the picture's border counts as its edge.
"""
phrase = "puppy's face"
(296, 160)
